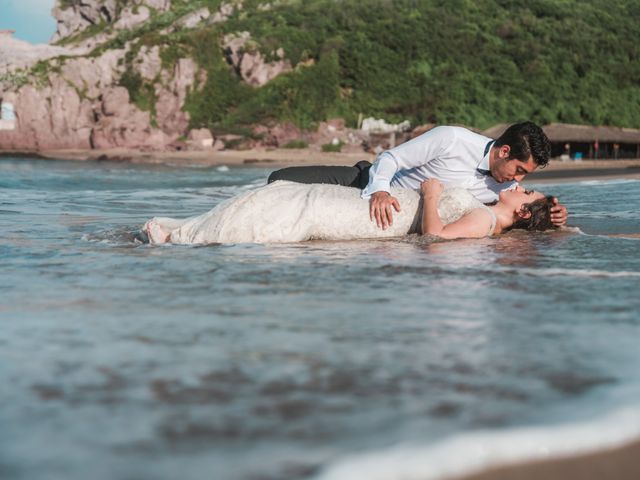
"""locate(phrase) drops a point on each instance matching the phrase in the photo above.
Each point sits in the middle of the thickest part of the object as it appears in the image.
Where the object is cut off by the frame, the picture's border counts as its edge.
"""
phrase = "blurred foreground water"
(120, 360)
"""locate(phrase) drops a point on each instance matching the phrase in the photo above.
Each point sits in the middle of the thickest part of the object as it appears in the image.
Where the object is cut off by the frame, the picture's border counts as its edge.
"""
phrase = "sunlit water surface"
(120, 360)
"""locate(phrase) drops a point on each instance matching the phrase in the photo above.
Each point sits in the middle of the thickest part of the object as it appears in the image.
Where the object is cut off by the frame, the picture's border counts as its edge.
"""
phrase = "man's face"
(505, 170)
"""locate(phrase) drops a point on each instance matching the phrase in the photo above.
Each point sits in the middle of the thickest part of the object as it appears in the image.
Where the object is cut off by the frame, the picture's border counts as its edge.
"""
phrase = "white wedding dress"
(284, 212)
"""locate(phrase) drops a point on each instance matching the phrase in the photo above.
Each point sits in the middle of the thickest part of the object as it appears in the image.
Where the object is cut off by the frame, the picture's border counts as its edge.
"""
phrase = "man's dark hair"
(526, 139)
(540, 219)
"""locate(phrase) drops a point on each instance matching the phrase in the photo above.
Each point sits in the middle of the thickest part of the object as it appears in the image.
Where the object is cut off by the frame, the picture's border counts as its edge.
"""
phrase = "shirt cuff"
(373, 187)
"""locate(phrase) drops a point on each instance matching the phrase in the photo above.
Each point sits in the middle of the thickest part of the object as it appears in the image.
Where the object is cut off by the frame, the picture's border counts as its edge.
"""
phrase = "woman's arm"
(431, 192)
(475, 224)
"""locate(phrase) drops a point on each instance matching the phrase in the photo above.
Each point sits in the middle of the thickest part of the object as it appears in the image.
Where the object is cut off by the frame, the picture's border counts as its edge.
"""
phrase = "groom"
(453, 155)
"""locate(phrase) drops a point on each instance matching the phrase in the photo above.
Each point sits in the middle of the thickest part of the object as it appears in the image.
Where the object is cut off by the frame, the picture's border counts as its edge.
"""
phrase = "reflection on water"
(124, 360)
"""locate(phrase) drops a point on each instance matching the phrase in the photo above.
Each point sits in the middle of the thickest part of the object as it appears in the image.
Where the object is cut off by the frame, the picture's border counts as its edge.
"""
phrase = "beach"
(556, 171)
(620, 463)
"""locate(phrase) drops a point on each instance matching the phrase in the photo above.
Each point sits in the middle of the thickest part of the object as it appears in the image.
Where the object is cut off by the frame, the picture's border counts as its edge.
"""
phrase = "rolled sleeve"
(373, 187)
(413, 154)
(380, 175)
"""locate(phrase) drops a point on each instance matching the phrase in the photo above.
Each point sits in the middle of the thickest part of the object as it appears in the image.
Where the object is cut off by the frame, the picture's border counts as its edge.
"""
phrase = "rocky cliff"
(122, 73)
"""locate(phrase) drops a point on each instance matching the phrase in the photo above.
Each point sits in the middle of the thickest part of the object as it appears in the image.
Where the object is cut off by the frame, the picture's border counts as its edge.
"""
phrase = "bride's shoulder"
(475, 223)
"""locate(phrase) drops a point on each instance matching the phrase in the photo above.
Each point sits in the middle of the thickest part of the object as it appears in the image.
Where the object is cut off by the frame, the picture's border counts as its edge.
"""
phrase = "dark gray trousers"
(356, 176)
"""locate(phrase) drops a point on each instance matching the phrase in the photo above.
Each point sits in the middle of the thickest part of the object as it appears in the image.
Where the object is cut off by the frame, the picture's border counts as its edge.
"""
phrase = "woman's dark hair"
(540, 219)
(526, 140)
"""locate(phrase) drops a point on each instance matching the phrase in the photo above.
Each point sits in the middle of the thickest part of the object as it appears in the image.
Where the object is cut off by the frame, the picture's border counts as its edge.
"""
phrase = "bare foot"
(156, 234)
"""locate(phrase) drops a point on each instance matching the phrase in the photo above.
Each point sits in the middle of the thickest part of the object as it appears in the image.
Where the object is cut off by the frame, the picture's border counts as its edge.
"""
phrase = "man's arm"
(381, 173)
(411, 154)
(414, 153)
(381, 201)
(380, 206)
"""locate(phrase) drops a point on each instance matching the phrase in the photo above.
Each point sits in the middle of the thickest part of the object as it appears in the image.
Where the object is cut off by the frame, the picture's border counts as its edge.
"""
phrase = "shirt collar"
(484, 163)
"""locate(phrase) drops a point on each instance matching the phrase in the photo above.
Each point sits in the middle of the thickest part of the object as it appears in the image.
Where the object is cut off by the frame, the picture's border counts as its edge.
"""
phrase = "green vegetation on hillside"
(472, 62)
(460, 61)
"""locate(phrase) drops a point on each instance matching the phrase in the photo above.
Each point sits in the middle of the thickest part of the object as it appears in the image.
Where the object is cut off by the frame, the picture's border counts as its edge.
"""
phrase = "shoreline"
(282, 157)
(616, 463)
(556, 172)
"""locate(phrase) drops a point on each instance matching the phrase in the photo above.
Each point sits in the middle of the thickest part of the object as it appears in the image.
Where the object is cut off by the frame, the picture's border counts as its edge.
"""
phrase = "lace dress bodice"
(283, 212)
(456, 202)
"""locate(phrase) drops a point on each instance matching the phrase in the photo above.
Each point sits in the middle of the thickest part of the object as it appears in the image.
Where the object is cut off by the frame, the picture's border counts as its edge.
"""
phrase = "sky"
(31, 19)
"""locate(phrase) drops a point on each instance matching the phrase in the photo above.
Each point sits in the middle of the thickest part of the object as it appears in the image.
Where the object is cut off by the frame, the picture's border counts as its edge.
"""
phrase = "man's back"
(449, 154)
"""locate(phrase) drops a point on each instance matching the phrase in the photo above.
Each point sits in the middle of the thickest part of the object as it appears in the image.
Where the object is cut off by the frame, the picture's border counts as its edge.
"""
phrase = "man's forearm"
(380, 175)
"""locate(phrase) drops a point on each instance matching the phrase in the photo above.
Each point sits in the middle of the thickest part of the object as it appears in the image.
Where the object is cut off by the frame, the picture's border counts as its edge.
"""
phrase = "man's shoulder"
(464, 133)
(453, 136)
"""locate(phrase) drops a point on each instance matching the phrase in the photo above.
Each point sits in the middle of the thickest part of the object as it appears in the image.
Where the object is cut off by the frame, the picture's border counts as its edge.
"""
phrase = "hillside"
(144, 73)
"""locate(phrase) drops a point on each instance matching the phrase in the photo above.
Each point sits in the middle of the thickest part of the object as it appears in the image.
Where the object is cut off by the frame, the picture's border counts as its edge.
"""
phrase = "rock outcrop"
(202, 139)
(132, 17)
(131, 93)
(194, 18)
(56, 117)
(50, 118)
(77, 16)
(148, 62)
(91, 75)
(279, 135)
(75, 100)
(120, 124)
(16, 54)
(249, 63)
(172, 92)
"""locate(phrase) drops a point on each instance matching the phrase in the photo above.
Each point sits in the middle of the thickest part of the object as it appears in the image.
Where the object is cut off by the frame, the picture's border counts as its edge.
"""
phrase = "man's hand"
(380, 208)
(558, 213)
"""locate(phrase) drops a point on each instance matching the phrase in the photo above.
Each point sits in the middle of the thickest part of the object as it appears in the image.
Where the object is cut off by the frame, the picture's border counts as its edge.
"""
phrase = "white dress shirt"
(449, 154)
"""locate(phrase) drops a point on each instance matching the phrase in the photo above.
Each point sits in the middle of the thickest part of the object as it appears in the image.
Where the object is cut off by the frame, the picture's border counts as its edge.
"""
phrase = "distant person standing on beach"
(453, 155)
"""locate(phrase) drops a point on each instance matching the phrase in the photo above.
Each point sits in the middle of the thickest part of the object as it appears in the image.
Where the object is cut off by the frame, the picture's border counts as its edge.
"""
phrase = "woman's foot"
(156, 234)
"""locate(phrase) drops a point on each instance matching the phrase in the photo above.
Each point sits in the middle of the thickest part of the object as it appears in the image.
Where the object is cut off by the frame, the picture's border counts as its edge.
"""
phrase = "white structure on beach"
(378, 125)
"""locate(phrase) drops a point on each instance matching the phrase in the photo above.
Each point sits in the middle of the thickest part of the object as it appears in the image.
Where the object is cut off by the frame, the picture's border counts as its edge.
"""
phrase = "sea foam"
(475, 451)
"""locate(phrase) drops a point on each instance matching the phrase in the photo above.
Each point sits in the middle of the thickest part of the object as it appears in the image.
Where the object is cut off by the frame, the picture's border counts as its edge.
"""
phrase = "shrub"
(142, 94)
(296, 144)
(332, 147)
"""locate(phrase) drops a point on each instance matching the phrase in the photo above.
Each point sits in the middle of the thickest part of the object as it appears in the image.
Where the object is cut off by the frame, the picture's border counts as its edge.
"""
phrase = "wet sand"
(621, 463)
(275, 158)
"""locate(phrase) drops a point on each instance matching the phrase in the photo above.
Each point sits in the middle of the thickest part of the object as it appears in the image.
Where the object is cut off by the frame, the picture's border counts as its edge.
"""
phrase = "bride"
(283, 212)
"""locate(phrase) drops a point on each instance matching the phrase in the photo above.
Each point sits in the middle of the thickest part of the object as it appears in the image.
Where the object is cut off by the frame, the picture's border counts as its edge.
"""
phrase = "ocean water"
(370, 359)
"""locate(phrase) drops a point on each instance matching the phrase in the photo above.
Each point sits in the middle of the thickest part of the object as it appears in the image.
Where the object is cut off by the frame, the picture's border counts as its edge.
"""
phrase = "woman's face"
(518, 196)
